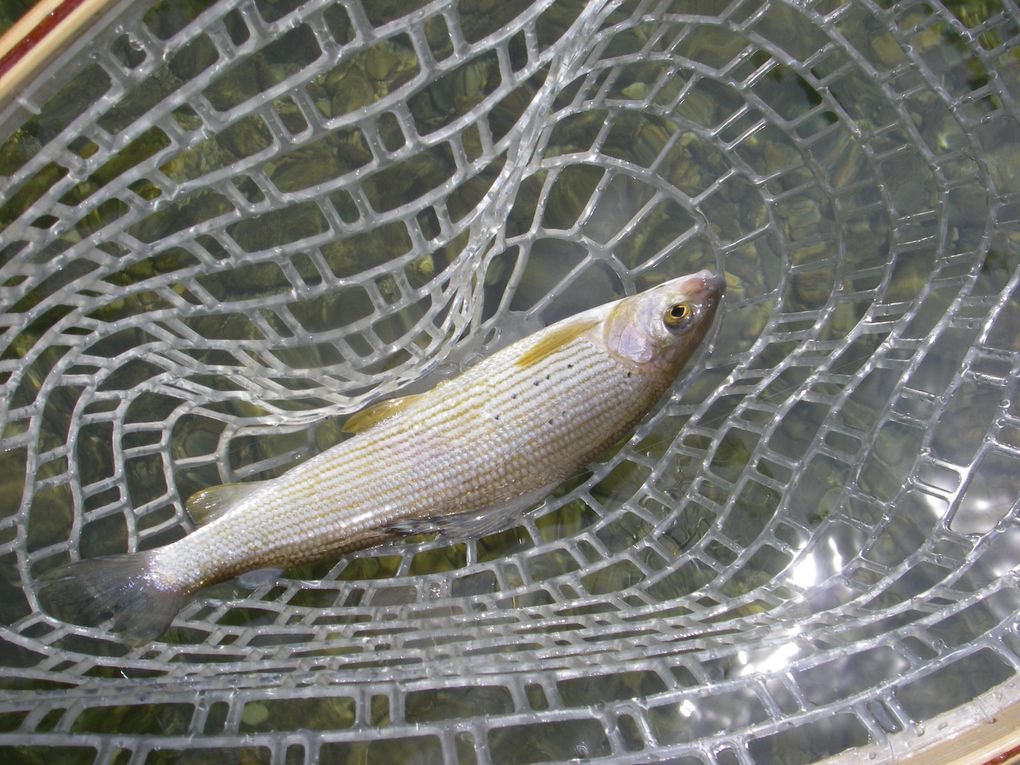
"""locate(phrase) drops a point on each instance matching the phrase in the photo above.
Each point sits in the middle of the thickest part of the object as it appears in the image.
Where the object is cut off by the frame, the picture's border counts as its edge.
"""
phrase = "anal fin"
(209, 504)
(252, 580)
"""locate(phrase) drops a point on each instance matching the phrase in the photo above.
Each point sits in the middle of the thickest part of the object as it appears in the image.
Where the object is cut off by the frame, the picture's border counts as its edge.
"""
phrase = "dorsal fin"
(209, 504)
(473, 523)
(555, 340)
(361, 421)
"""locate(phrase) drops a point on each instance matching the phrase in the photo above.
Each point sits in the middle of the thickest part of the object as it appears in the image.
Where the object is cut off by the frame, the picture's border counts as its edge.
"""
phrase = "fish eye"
(677, 314)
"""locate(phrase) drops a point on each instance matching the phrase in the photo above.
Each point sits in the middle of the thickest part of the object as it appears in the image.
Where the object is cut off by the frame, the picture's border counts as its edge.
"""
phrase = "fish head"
(658, 330)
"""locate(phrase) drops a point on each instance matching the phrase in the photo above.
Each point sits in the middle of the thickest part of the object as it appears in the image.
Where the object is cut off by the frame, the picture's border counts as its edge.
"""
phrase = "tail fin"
(118, 587)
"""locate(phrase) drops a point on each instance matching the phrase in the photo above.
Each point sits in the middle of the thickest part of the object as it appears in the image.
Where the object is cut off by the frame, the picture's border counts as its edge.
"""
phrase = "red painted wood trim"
(36, 34)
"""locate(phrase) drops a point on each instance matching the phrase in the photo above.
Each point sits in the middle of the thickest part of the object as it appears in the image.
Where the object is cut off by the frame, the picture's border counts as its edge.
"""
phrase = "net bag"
(228, 225)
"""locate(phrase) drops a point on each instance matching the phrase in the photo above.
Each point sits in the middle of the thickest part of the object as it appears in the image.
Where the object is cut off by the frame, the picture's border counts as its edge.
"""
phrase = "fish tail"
(118, 587)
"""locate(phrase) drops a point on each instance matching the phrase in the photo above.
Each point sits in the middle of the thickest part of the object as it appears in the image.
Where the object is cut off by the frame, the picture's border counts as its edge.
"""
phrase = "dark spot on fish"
(629, 374)
(497, 416)
(550, 420)
(547, 377)
(570, 366)
(536, 382)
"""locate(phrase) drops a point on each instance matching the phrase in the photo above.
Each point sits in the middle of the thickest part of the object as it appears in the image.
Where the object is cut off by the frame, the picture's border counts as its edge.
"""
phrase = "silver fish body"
(527, 417)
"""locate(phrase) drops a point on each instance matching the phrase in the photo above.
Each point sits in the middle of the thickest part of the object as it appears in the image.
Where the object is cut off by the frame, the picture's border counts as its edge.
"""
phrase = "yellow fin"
(555, 340)
(373, 415)
(209, 504)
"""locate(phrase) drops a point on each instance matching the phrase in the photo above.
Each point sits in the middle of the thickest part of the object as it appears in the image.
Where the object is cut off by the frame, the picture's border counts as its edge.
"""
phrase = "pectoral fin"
(376, 413)
(555, 340)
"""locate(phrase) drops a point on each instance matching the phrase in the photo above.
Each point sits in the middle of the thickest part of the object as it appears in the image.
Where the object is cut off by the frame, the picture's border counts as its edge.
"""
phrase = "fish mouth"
(706, 287)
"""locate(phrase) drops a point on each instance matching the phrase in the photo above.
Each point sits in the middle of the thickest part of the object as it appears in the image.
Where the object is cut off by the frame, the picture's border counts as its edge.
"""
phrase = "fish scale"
(527, 417)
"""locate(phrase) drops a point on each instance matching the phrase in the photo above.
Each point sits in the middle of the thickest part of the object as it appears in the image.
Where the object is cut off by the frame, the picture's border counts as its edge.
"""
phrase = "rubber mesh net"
(227, 225)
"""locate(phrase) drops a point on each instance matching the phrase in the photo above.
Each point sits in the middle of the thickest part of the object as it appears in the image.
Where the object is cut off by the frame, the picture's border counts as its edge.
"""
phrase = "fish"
(453, 459)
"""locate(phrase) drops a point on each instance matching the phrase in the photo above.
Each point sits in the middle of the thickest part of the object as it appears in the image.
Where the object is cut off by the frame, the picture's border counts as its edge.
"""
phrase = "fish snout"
(706, 287)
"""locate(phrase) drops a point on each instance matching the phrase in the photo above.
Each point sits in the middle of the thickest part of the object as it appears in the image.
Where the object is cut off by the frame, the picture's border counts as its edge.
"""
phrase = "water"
(820, 515)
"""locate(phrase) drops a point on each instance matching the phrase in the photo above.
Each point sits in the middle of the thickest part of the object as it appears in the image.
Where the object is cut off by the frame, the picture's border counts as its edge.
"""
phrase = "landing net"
(228, 225)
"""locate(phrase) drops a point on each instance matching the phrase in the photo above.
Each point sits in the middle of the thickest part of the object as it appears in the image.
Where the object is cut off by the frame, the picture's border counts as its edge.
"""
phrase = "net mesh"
(227, 225)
